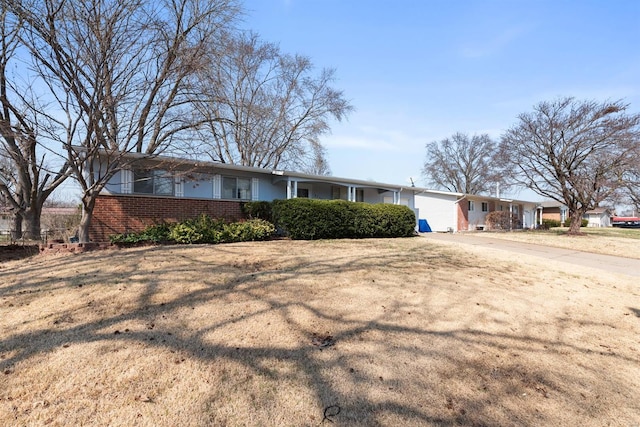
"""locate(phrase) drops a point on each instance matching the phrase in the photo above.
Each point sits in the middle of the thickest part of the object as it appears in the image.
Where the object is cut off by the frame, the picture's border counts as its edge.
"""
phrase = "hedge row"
(300, 219)
(551, 223)
(309, 219)
(203, 229)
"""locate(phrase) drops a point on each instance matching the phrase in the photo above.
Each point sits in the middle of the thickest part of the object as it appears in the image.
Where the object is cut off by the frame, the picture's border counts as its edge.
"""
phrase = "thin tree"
(575, 152)
(464, 164)
(264, 108)
(122, 72)
(27, 175)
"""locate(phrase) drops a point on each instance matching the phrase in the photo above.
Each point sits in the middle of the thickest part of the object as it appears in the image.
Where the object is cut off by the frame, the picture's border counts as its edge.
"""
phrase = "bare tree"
(122, 74)
(630, 193)
(464, 164)
(318, 165)
(27, 179)
(264, 108)
(574, 152)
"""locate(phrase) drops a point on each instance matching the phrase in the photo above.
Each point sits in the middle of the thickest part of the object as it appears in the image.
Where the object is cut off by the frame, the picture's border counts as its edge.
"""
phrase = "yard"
(293, 333)
(623, 242)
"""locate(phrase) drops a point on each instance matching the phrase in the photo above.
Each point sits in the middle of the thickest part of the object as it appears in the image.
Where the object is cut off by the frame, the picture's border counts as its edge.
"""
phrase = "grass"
(422, 334)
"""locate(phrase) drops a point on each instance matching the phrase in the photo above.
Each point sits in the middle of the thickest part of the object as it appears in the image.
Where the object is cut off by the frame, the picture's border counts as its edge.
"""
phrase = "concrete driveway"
(609, 263)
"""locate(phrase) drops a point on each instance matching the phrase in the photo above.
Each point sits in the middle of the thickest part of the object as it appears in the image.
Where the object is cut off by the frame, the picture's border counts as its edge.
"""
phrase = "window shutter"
(255, 185)
(126, 181)
(179, 186)
(217, 186)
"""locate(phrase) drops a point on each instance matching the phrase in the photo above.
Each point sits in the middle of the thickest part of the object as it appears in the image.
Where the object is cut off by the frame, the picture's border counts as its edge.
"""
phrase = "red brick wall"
(126, 213)
(463, 215)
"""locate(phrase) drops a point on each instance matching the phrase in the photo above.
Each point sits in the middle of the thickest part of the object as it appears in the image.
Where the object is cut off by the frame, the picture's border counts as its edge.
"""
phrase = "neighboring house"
(6, 220)
(52, 219)
(171, 189)
(448, 211)
(6, 216)
(554, 211)
(598, 217)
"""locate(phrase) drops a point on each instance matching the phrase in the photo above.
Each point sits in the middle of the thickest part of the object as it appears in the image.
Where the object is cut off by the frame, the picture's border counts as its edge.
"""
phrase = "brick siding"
(124, 214)
(463, 215)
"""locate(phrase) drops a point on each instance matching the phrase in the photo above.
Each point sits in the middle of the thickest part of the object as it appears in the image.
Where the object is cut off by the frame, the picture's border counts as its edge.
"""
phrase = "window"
(153, 182)
(471, 205)
(236, 188)
(339, 193)
(335, 192)
(485, 207)
(303, 193)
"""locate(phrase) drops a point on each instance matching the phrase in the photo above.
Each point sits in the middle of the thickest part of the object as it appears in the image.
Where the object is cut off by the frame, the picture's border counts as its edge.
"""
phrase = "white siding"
(598, 220)
(476, 216)
(438, 209)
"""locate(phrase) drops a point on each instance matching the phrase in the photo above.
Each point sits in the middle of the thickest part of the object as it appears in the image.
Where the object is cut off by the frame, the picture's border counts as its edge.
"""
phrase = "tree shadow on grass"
(467, 376)
(17, 252)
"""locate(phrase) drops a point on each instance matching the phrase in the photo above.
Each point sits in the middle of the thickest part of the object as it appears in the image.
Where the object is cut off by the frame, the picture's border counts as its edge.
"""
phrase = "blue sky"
(419, 71)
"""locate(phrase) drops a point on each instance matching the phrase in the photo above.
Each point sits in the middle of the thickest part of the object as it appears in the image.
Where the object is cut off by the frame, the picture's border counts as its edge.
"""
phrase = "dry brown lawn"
(607, 241)
(232, 335)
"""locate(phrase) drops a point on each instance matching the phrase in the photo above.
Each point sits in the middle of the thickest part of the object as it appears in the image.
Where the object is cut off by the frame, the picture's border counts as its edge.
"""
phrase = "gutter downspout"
(398, 195)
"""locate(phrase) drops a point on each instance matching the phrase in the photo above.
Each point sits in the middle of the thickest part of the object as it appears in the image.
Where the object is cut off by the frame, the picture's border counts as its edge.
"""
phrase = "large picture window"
(157, 182)
(236, 188)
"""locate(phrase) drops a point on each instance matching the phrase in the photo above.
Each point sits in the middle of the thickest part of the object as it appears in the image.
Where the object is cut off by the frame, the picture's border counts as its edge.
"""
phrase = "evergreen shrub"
(202, 229)
(308, 219)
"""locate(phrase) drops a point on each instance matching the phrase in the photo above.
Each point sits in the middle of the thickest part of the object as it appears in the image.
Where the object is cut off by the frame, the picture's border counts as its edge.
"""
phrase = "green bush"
(550, 223)
(202, 229)
(246, 231)
(257, 210)
(186, 232)
(308, 219)
(567, 222)
(153, 234)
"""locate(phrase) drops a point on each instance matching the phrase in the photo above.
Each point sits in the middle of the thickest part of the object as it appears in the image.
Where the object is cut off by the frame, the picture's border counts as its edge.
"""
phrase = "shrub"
(550, 223)
(502, 220)
(307, 219)
(567, 222)
(246, 231)
(154, 234)
(202, 229)
(186, 232)
(257, 210)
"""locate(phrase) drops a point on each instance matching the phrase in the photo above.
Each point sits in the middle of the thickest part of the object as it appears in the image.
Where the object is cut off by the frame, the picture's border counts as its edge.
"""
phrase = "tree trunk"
(32, 223)
(88, 204)
(16, 229)
(576, 222)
